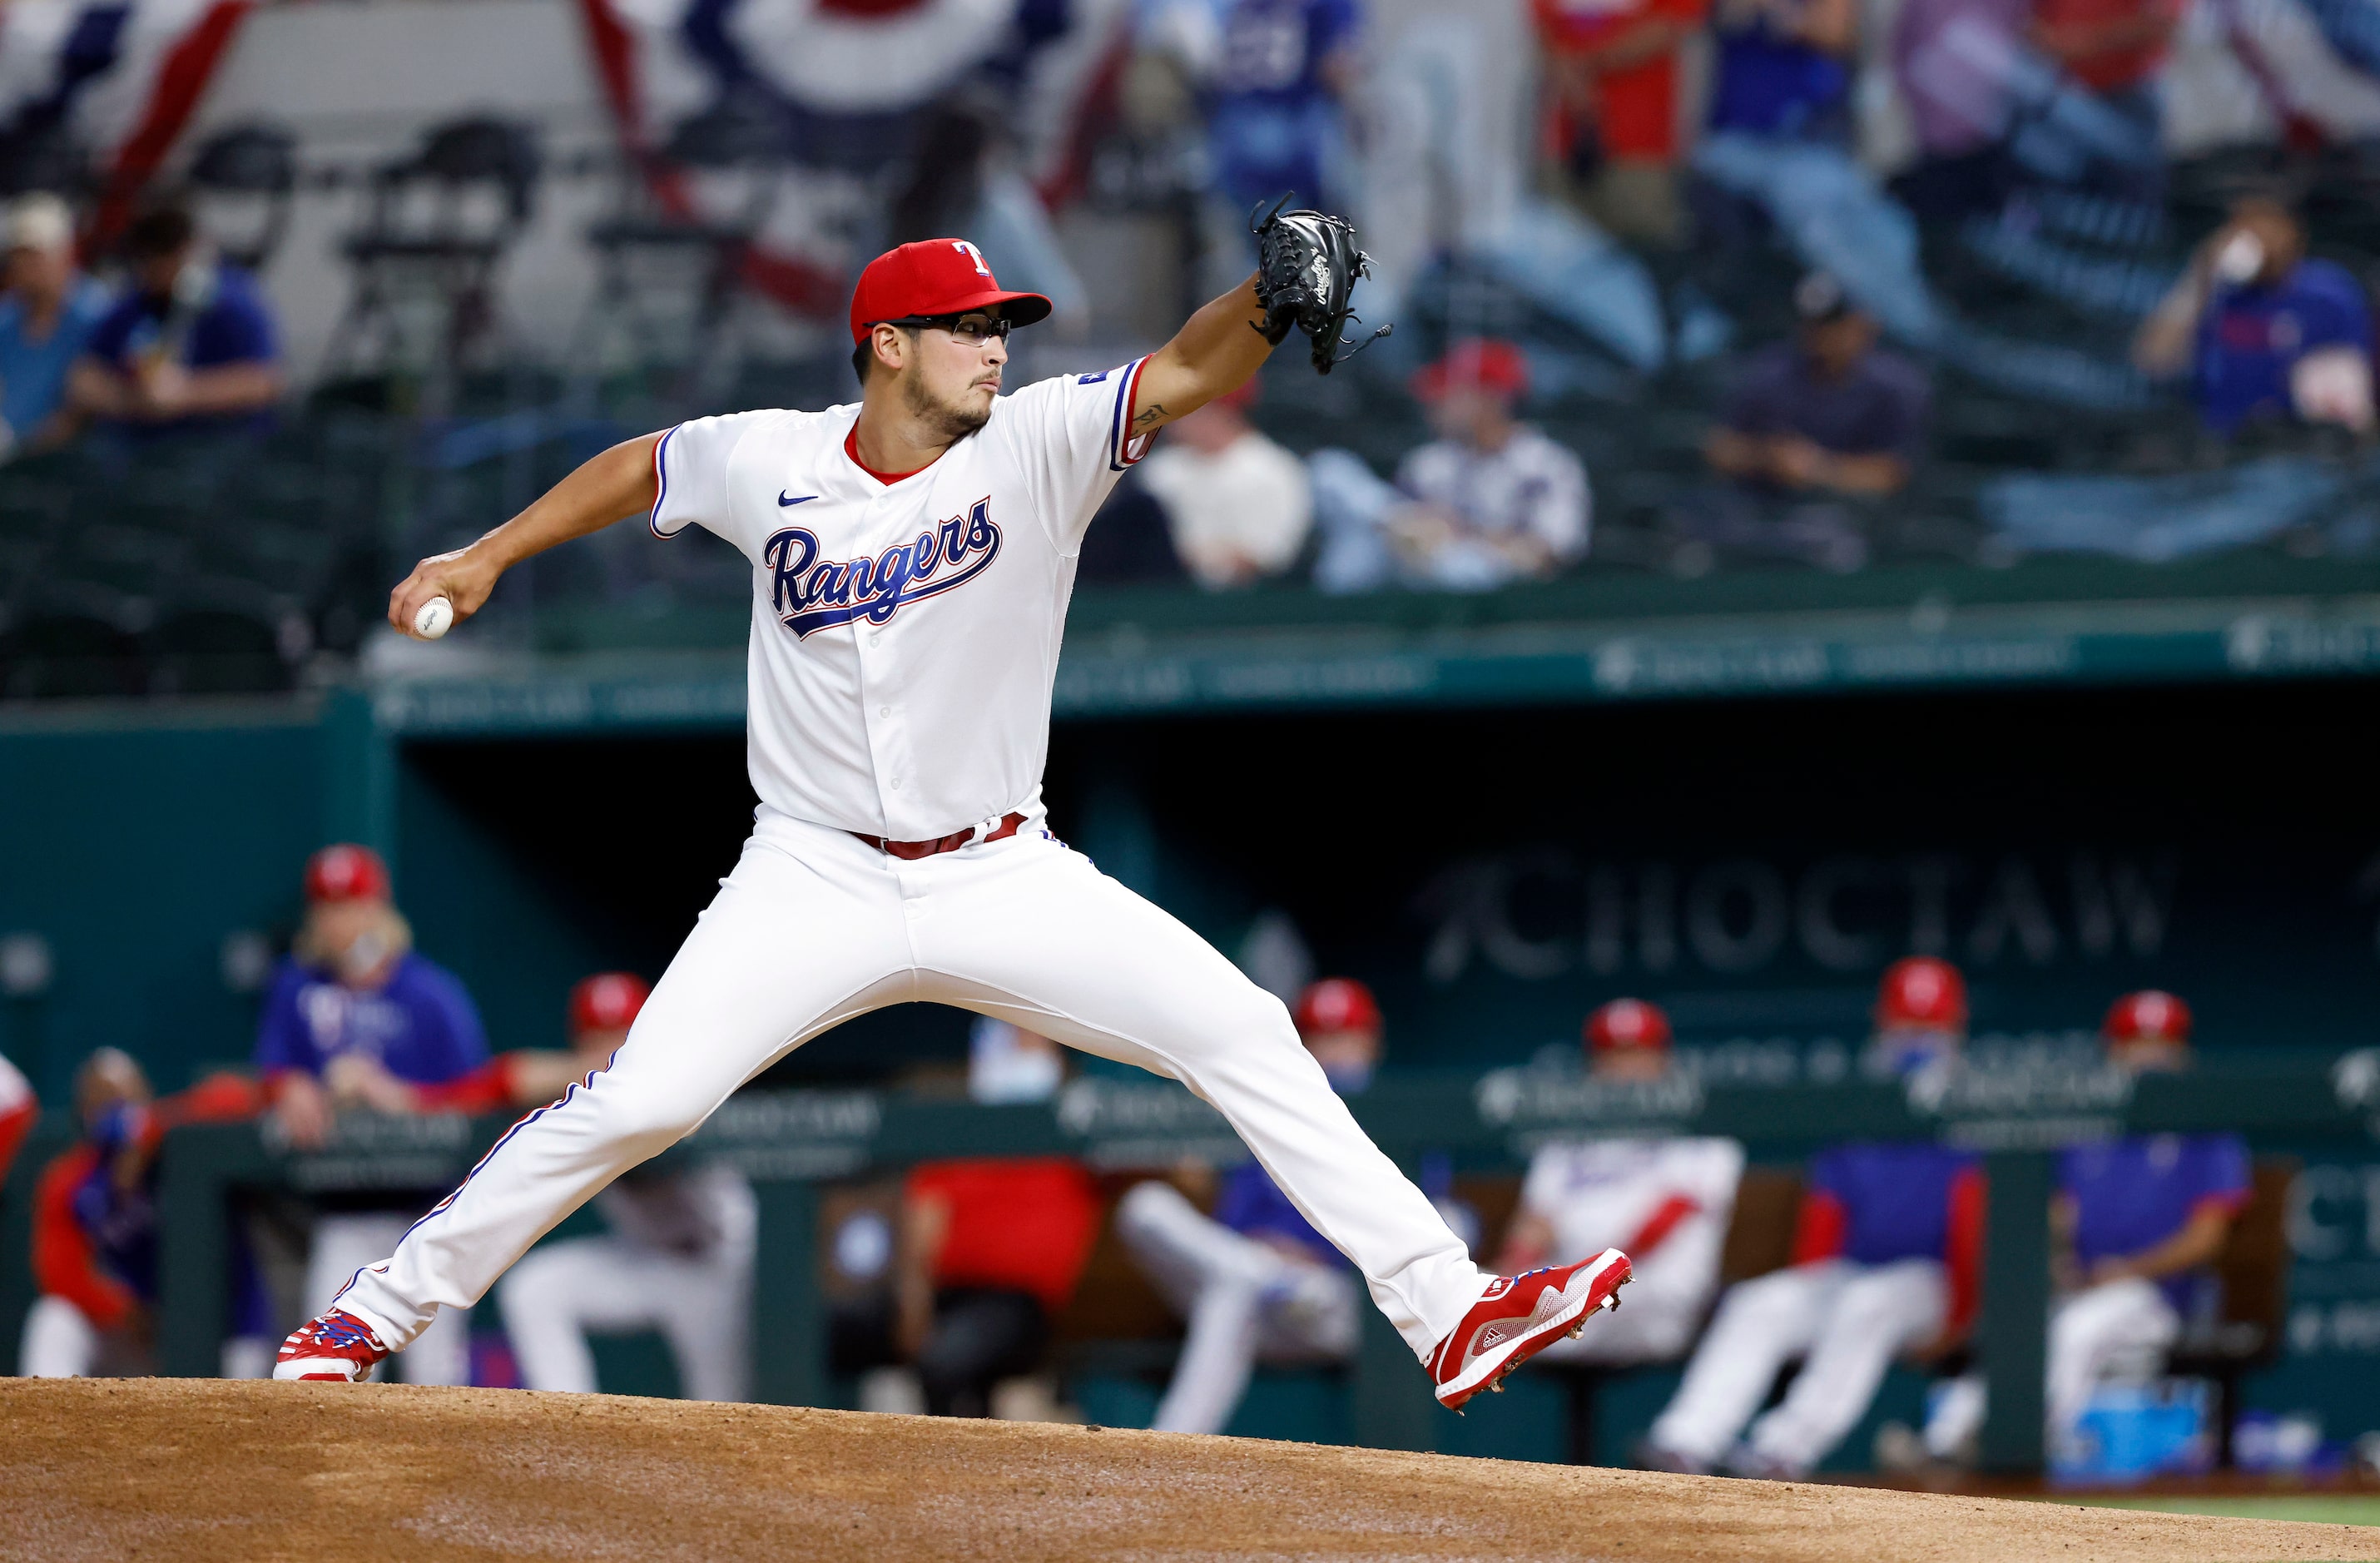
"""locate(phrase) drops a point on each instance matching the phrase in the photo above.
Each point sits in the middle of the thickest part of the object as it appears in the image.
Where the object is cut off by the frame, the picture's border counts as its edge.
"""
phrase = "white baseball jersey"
(904, 635)
(1603, 1194)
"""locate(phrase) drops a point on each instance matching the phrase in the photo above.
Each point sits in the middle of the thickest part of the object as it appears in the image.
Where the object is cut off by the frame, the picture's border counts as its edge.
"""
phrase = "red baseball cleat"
(338, 1346)
(1519, 1316)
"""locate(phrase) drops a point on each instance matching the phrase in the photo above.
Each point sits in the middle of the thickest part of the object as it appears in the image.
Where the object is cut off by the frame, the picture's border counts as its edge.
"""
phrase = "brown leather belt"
(998, 829)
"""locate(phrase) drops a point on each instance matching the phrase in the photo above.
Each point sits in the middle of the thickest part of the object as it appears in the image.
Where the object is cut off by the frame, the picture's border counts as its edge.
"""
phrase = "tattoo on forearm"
(1153, 413)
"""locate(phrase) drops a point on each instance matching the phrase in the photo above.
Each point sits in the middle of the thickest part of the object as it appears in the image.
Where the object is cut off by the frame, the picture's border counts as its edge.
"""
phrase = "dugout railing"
(792, 1144)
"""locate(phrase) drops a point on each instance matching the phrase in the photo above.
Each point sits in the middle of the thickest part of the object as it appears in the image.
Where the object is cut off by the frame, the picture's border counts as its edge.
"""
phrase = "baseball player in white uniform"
(1665, 1202)
(912, 556)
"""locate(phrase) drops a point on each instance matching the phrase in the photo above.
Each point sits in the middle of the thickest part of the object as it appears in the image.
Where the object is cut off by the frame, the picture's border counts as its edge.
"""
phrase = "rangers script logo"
(809, 595)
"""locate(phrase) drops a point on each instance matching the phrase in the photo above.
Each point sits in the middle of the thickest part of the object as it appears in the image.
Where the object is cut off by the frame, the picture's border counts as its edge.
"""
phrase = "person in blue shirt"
(355, 990)
(1783, 67)
(1254, 1280)
(2138, 1223)
(2264, 332)
(190, 347)
(46, 316)
(1884, 1261)
(1275, 122)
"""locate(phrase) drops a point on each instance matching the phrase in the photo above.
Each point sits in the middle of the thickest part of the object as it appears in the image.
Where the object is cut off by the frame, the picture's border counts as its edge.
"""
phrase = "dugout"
(1494, 864)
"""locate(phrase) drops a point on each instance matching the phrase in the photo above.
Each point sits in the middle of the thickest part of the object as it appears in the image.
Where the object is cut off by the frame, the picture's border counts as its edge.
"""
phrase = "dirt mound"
(181, 1469)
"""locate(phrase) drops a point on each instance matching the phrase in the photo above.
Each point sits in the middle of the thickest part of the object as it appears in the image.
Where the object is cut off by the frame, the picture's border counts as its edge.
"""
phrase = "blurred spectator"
(1663, 1202)
(353, 986)
(2137, 1224)
(1490, 502)
(1277, 123)
(2264, 331)
(990, 1249)
(1831, 413)
(1614, 122)
(190, 347)
(1237, 504)
(1784, 67)
(678, 1259)
(46, 317)
(1254, 1280)
(1885, 1256)
(1920, 1018)
(95, 1229)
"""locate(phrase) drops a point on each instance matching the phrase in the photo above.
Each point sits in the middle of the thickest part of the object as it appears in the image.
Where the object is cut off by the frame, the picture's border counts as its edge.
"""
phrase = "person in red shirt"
(991, 1251)
(1612, 69)
(95, 1218)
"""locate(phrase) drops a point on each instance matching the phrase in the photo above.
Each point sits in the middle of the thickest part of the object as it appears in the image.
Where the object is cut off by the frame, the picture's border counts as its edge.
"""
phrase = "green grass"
(2336, 1510)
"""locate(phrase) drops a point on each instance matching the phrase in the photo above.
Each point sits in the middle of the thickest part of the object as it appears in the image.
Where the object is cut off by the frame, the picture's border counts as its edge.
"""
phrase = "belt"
(998, 829)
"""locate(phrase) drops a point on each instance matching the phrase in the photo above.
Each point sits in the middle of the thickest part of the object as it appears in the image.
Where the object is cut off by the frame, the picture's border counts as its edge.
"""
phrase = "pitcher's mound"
(115, 1469)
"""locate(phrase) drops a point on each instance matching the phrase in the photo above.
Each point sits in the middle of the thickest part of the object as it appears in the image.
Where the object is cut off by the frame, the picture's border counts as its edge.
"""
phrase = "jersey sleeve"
(690, 475)
(2225, 1182)
(65, 1264)
(1077, 441)
(1560, 509)
(450, 1009)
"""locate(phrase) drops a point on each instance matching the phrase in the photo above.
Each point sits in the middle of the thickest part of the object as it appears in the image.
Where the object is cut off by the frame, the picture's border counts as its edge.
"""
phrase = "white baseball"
(433, 618)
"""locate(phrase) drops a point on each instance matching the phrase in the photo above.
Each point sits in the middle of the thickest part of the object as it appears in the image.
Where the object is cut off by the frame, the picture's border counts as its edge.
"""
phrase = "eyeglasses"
(972, 330)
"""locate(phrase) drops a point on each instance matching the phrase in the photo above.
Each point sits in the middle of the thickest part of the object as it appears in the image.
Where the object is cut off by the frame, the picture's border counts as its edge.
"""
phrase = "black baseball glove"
(1306, 267)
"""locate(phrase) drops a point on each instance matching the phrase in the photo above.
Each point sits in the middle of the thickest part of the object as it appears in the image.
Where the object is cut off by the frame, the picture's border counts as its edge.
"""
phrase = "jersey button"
(884, 710)
(896, 784)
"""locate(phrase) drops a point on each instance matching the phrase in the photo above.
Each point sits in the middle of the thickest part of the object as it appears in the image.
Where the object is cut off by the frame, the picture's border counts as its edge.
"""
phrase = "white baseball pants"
(559, 1293)
(60, 1341)
(815, 927)
(342, 1244)
(2124, 1328)
(1848, 1321)
(1243, 1301)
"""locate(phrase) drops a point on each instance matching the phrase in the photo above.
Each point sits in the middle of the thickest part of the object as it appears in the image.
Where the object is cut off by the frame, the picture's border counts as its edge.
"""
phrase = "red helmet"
(607, 1001)
(347, 872)
(1922, 991)
(1628, 1024)
(1337, 1004)
(2149, 1015)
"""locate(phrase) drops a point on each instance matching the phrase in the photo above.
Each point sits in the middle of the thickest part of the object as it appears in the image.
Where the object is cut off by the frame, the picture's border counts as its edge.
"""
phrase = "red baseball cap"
(607, 1001)
(1922, 991)
(1628, 1024)
(347, 872)
(1477, 362)
(2149, 1015)
(943, 276)
(1337, 1004)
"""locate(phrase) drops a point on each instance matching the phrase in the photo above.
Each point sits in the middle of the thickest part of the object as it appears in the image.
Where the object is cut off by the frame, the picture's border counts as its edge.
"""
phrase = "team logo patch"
(810, 594)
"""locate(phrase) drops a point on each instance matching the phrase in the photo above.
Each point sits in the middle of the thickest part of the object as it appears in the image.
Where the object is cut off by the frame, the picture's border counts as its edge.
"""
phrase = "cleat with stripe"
(1519, 1317)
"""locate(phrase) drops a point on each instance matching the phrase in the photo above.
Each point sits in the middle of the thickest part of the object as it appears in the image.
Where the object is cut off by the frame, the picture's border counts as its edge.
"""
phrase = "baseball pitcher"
(912, 558)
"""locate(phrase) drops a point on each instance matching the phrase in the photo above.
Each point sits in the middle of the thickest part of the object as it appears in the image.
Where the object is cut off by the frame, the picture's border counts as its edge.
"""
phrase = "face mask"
(1348, 1078)
(2242, 257)
(362, 957)
(1905, 1053)
(1001, 1072)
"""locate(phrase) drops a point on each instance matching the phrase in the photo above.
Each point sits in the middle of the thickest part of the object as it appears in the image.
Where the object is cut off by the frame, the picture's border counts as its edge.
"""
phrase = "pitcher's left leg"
(1027, 930)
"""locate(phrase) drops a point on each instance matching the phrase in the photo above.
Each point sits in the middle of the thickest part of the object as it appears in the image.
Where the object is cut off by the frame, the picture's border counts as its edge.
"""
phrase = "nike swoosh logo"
(782, 500)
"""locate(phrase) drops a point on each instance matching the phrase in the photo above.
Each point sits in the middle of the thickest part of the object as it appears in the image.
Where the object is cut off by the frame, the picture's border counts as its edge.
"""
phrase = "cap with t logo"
(935, 277)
